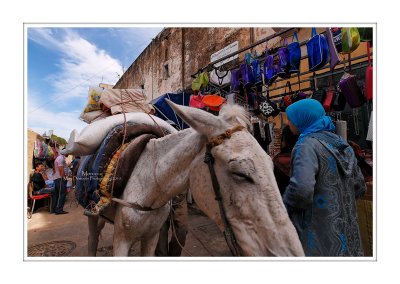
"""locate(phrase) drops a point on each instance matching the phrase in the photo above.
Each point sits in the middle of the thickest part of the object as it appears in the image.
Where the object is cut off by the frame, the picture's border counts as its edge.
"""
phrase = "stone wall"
(167, 63)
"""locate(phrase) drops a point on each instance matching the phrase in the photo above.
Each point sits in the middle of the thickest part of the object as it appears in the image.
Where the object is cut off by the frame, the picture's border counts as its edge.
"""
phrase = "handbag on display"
(317, 51)
(200, 82)
(247, 75)
(339, 101)
(235, 80)
(329, 97)
(335, 59)
(213, 102)
(270, 70)
(294, 54)
(284, 60)
(220, 77)
(368, 88)
(196, 100)
(337, 38)
(288, 94)
(350, 39)
(255, 66)
(349, 87)
(365, 34)
(269, 108)
(318, 94)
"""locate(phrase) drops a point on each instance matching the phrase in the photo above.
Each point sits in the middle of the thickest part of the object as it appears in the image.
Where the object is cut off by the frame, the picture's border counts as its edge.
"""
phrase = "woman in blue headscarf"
(325, 180)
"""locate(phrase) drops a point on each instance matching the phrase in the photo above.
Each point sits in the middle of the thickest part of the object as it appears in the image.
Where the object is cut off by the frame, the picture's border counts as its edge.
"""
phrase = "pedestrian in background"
(60, 184)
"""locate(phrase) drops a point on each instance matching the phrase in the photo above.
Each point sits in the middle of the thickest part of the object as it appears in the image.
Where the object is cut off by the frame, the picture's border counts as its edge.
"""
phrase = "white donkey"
(251, 205)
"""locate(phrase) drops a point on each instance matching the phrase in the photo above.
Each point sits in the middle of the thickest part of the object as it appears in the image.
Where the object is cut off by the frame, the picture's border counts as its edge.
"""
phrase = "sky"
(63, 62)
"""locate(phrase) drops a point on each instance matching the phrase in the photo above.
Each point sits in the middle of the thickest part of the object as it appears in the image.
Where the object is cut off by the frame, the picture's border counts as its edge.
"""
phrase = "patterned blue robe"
(320, 197)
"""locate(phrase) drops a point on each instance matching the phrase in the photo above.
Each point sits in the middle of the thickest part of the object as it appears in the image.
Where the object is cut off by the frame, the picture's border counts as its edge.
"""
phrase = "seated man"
(39, 183)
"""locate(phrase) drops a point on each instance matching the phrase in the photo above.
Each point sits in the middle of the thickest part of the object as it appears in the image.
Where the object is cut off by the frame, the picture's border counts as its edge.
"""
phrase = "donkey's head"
(250, 195)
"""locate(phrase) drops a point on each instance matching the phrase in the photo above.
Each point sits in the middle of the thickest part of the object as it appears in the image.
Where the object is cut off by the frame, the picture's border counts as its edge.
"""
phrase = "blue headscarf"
(308, 116)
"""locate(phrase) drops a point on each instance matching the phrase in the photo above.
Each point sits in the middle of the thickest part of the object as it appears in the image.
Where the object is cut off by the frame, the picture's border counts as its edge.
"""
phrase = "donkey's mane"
(232, 113)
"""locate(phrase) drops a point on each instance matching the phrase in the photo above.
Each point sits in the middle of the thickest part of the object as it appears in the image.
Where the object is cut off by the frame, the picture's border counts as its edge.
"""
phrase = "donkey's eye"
(242, 177)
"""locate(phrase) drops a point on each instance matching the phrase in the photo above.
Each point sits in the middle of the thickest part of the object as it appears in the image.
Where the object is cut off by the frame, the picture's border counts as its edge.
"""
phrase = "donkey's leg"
(148, 245)
(121, 243)
(95, 227)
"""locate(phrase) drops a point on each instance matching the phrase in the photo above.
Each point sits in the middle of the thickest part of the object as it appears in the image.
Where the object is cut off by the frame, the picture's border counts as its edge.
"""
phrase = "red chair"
(33, 198)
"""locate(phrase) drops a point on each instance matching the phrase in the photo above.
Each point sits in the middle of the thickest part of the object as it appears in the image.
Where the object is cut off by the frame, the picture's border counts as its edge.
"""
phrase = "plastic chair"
(36, 197)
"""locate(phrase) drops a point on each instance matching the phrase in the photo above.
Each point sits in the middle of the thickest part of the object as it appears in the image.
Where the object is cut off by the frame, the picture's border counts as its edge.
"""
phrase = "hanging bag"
(235, 80)
(284, 60)
(317, 50)
(339, 101)
(368, 77)
(294, 54)
(329, 97)
(288, 94)
(247, 75)
(200, 82)
(270, 71)
(350, 40)
(196, 100)
(256, 68)
(220, 77)
(318, 95)
(335, 59)
(337, 38)
(269, 108)
(348, 85)
(213, 102)
(365, 34)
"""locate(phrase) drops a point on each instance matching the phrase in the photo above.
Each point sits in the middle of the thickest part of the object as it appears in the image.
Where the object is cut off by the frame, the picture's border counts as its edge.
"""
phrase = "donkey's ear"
(200, 120)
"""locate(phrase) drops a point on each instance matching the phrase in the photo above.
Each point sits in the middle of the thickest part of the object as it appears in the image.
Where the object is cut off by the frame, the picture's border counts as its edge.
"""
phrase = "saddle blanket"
(102, 172)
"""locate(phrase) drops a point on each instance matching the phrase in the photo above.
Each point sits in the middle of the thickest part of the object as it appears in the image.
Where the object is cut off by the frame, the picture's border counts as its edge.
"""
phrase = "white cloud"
(81, 65)
(41, 120)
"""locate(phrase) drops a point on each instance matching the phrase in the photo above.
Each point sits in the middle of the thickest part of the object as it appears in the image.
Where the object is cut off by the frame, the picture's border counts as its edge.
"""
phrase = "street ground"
(66, 235)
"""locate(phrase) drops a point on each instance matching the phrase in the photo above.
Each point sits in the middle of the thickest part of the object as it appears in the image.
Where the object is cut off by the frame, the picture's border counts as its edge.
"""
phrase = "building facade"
(175, 54)
(167, 63)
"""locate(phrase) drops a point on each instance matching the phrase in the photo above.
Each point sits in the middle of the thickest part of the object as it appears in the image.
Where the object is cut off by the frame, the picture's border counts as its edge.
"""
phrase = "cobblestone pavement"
(66, 235)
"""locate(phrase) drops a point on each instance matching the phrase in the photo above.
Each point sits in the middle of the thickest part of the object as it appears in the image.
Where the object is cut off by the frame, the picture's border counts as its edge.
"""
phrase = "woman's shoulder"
(307, 141)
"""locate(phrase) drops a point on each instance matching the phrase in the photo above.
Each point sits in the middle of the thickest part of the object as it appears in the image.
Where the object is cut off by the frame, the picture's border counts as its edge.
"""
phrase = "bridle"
(209, 160)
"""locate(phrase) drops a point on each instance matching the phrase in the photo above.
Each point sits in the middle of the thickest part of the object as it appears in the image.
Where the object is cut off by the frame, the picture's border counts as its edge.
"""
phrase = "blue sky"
(62, 63)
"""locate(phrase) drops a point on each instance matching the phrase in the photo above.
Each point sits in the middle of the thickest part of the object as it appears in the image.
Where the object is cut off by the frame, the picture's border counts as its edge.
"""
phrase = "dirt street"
(66, 235)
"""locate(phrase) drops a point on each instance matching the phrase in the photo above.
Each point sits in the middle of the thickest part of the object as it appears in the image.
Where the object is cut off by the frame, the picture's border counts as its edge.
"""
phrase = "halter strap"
(219, 139)
(209, 160)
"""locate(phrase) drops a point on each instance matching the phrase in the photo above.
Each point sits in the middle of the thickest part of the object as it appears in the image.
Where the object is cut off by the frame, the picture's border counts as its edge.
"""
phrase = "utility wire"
(80, 84)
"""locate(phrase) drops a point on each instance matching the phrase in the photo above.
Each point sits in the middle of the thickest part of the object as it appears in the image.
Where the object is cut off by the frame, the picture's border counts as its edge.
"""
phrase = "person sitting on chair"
(39, 181)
